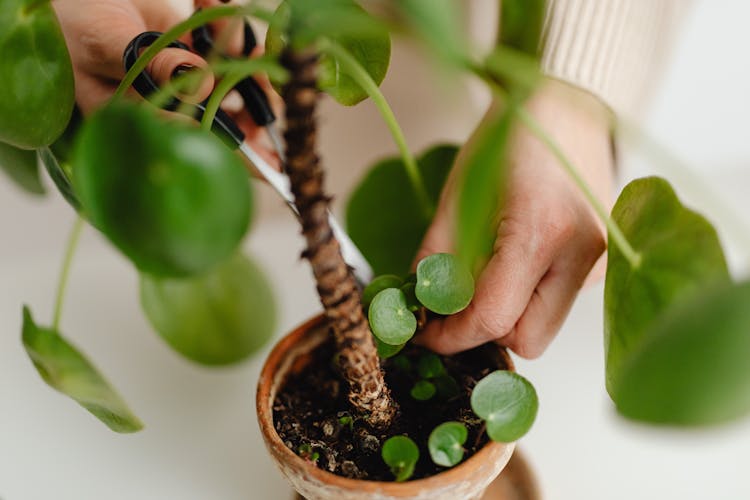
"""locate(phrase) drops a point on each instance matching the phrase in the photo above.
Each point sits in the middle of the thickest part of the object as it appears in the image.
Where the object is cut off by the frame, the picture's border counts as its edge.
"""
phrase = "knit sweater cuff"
(611, 48)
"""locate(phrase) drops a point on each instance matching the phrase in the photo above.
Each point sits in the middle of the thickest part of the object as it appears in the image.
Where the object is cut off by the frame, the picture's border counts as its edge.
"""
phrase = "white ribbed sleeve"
(612, 48)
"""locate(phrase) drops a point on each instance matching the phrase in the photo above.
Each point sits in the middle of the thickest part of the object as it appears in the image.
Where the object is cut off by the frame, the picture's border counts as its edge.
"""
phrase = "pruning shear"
(257, 105)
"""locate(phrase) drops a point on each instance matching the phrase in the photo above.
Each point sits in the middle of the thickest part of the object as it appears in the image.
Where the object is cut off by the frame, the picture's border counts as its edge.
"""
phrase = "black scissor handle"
(223, 126)
(256, 100)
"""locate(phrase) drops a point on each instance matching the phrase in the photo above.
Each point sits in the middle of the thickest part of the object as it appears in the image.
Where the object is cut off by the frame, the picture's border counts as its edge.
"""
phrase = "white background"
(201, 439)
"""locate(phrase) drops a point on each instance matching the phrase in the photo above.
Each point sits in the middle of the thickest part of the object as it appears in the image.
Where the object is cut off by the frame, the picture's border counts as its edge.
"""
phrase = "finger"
(552, 299)
(502, 291)
(171, 62)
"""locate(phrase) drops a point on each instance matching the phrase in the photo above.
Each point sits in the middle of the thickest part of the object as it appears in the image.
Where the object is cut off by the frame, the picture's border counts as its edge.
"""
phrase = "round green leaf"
(66, 370)
(693, 367)
(444, 284)
(446, 443)
(21, 166)
(383, 215)
(344, 22)
(379, 284)
(173, 198)
(216, 318)
(680, 255)
(385, 350)
(430, 365)
(400, 454)
(390, 318)
(508, 403)
(447, 387)
(423, 390)
(36, 75)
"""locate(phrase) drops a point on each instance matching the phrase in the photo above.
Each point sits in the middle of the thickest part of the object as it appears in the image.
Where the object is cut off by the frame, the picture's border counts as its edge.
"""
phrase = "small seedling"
(400, 453)
(430, 366)
(444, 284)
(347, 421)
(307, 453)
(446, 443)
(390, 318)
(423, 390)
(507, 402)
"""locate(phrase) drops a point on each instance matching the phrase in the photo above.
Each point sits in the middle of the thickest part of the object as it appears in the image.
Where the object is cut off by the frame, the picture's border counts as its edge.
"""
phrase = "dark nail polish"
(225, 1)
(181, 70)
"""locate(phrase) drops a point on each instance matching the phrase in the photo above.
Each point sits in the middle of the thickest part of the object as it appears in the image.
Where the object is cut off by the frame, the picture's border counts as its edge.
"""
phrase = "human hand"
(548, 238)
(97, 32)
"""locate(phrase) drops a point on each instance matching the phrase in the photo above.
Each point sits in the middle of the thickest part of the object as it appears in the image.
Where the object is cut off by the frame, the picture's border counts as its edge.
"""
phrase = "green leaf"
(66, 370)
(383, 215)
(36, 75)
(437, 23)
(216, 318)
(386, 350)
(400, 454)
(446, 443)
(390, 318)
(59, 176)
(521, 23)
(379, 284)
(21, 166)
(508, 403)
(423, 390)
(430, 365)
(680, 255)
(692, 368)
(481, 187)
(444, 285)
(344, 22)
(447, 387)
(173, 198)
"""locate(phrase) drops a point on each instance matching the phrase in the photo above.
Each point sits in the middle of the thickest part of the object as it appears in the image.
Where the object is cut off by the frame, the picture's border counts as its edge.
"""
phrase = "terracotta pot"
(467, 480)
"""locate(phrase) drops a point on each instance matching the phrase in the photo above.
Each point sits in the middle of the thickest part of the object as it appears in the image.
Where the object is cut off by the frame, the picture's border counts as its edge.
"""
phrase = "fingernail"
(181, 70)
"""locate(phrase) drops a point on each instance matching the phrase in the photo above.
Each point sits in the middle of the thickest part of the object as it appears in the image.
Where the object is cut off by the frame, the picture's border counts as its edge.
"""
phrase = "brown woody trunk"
(336, 284)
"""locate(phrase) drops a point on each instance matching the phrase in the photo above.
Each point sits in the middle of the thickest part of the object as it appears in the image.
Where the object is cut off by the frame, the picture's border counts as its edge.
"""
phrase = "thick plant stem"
(336, 284)
(70, 249)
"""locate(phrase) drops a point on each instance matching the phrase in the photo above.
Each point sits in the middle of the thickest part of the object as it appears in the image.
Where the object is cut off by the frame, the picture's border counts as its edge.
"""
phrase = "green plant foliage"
(400, 454)
(379, 284)
(36, 75)
(423, 390)
(521, 23)
(66, 370)
(692, 368)
(390, 318)
(59, 176)
(481, 187)
(446, 443)
(437, 23)
(444, 285)
(21, 166)
(430, 366)
(508, 402)
(216, 318)
(386, 350)
(383, 215)
(344, 22)
(173, 198)
(680, 255)
(447, 387)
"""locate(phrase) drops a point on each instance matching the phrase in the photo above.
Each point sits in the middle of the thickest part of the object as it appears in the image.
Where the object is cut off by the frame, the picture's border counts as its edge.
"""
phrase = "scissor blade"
(280, 183)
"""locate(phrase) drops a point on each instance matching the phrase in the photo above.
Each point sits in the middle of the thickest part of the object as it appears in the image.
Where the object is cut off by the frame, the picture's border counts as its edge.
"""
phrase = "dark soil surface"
(311, 413)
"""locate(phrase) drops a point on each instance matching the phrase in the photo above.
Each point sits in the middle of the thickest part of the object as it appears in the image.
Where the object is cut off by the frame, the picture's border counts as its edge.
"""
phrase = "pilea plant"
(173, 199)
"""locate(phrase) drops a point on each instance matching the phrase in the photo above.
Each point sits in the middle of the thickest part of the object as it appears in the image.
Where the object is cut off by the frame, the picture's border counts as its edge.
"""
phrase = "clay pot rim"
(265, 420)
